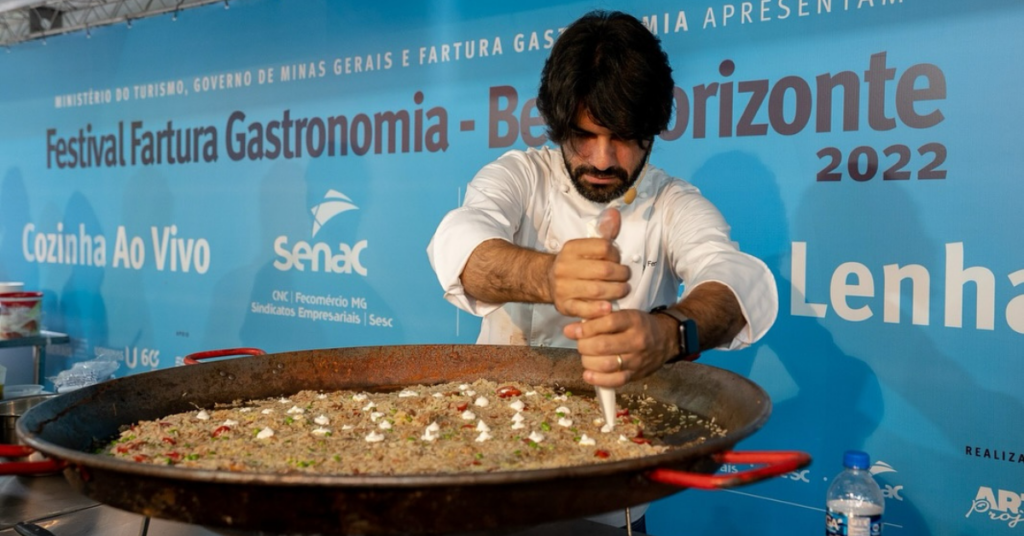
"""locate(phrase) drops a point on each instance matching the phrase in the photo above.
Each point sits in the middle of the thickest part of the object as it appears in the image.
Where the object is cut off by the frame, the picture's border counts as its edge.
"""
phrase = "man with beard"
(588, 245)
(521, 251)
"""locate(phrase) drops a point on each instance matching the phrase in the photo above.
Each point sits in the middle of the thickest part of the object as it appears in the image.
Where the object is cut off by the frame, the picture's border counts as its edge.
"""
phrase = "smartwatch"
(689, 343)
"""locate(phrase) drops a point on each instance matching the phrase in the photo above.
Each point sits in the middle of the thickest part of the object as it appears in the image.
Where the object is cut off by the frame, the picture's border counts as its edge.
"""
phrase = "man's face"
(602, 165)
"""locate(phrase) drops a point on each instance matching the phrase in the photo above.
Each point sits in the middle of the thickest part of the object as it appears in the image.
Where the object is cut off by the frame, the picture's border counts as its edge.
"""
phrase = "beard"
(603, 193)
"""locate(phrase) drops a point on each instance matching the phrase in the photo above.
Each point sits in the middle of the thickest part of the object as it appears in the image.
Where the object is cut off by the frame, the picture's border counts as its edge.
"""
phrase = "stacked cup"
(20, 311)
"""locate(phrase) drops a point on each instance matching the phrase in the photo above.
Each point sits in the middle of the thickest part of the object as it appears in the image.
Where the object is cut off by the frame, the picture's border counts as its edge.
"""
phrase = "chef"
(528, 252)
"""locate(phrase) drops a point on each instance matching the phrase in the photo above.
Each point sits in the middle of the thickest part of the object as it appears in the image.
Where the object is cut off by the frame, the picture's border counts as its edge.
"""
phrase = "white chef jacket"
(670, 235)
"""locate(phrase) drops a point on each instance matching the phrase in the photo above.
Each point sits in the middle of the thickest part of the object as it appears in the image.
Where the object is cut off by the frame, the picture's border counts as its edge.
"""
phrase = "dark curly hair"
(610, 64)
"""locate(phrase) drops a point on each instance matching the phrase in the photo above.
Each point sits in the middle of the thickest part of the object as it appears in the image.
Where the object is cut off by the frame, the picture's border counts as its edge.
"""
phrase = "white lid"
(11, 286)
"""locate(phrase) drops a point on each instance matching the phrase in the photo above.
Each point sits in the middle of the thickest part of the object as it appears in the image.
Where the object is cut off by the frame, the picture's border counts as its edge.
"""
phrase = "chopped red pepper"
(508, 391)
(601, 454)
(174, 455)
(169, 440)
(140, 458)
(220, 430)
(125, 448)
(624, 412)
(462, 406)
(640, 439)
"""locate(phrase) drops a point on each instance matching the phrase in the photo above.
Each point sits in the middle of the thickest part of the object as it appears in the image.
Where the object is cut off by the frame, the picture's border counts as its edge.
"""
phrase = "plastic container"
(20, 313)
(14, 391)
(854, 503)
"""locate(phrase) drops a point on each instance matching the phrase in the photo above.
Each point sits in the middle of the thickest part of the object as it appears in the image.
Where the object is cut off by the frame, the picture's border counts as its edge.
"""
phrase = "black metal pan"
(69, 427)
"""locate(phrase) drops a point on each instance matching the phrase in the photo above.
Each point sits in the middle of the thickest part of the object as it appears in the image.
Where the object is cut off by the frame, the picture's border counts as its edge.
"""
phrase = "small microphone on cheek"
(630, 195)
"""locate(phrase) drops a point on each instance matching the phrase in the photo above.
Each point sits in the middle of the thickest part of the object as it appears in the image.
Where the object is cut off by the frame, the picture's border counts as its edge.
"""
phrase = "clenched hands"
(606, 337)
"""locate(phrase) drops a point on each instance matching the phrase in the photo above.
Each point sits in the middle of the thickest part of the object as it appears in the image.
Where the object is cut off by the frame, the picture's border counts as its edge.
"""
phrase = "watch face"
(683, 332)
(688, 341)
(688, 336)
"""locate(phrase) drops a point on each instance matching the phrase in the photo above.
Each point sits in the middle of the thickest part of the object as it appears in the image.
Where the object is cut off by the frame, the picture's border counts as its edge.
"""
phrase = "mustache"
(612, 172)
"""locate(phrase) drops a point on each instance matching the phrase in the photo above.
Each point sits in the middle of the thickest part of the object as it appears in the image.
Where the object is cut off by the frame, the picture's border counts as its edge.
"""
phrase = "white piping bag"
(599, 228)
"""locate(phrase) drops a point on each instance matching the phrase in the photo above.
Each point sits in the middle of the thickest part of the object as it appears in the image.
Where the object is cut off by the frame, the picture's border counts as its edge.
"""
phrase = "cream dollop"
(430, 433)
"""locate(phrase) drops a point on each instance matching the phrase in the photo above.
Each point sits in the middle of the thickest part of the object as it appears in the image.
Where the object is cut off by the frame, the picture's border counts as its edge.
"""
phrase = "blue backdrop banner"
(269, 175)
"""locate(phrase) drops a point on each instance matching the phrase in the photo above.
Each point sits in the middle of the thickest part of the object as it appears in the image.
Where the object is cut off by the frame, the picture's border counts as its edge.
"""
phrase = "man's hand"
(586, 277)
(644, 341)
(641, 340)
(581, 280)
(591, 276)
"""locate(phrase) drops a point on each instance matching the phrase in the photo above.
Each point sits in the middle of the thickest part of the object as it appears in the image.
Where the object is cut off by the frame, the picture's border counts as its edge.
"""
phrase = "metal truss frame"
(26, 20)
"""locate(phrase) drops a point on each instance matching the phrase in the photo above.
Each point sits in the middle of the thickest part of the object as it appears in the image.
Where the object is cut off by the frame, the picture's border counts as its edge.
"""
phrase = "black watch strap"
(689, 342)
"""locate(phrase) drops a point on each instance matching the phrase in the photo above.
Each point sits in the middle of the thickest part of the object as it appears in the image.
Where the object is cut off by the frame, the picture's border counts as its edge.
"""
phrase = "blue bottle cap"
(855, 459)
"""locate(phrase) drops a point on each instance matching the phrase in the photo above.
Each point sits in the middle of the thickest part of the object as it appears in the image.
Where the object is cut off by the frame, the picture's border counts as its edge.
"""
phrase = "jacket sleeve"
(495, 202)
(700, 250)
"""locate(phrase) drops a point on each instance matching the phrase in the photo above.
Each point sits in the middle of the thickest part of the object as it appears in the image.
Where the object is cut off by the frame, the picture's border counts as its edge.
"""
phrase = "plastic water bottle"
(854, 501)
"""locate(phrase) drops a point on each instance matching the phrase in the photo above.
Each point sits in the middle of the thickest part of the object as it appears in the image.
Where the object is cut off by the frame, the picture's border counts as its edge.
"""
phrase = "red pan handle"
(15, 451)
(193, 359)
(773, 463)
(32, 468)
(26, 468)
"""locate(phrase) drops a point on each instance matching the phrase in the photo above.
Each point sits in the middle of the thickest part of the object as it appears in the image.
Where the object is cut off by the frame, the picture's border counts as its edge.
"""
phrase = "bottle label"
(841, 524)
